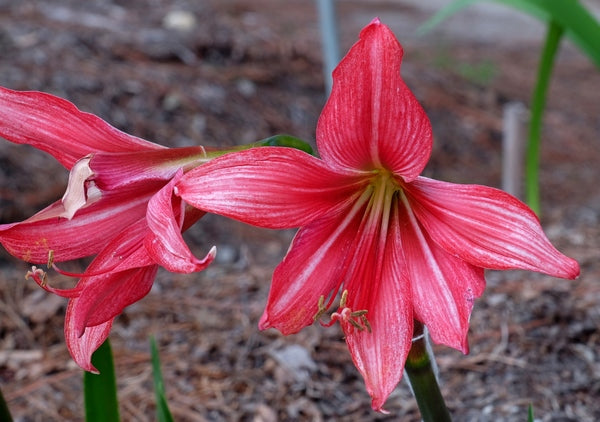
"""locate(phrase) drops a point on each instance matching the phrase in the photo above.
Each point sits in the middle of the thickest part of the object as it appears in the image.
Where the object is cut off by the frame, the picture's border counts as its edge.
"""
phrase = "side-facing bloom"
(399, 246)
(118, 206)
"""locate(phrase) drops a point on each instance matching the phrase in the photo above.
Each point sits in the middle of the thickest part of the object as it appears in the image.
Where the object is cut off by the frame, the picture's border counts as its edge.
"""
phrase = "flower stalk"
(421, 376)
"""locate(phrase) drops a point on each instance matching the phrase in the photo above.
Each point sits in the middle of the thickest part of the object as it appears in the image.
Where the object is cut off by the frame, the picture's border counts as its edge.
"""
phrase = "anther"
(343, 299)
(50, 258)
(321, 309)
(38, 275)
(357, 319)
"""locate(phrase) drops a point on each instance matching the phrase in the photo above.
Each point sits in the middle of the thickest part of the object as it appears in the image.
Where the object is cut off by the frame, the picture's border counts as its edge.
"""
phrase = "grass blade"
(163, 414)
(100, 390)
(4, 412)
(530, 417)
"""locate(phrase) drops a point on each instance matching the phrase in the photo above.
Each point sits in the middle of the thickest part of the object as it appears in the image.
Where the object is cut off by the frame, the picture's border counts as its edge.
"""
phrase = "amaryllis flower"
(399, 247)
(118, 206)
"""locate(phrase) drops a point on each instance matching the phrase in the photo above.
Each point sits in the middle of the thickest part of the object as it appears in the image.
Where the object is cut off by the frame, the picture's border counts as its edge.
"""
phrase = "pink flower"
(399, 246)
(118, 206)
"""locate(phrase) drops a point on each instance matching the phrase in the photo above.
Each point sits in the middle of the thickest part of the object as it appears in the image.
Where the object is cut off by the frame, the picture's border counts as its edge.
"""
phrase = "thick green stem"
(423, 381)
(538, 103)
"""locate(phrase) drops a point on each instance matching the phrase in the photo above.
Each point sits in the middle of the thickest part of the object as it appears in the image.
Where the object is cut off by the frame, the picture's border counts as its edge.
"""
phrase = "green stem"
(538, 103)
(423, 381)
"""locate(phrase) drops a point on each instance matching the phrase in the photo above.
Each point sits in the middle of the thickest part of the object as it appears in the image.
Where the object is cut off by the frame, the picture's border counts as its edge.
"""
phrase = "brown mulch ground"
(247, 70)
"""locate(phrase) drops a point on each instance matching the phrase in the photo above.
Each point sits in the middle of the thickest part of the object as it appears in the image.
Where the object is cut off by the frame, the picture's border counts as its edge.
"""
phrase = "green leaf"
(100, 390)
(4, 412)
(538, 104)
(443, 14)
(163, 414)
(530, 417)
(286, 141)
(579, 24)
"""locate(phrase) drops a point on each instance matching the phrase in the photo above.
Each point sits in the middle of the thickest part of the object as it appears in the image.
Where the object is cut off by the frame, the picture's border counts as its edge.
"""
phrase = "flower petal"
(128, 171)
(315, 266)
(486, 227)
(105, 296)
(121, 274)
(273, 187)
(84, 235)
(372, 119)
(56, 126)
(444, 287)
(81, 347)
(380, 286)
(164, 242)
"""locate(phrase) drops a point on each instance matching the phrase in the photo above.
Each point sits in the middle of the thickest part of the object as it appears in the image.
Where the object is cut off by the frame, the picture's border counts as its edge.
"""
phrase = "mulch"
(241, 74)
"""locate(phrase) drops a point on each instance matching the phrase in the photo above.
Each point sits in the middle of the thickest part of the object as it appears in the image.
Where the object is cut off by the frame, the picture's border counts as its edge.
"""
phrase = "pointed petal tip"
(563, 267)
(263, 323)
(574, 271)
(89, 368)
(377, 405)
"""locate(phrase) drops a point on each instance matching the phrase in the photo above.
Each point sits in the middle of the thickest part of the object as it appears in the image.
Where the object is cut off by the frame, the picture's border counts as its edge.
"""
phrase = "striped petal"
(273, 187)
(164, 241)
(372, 119)
(86, 234)
(444, 287)
(81, 347)
(379, 285)
(315, 266)
(56, 126)
(486, 227)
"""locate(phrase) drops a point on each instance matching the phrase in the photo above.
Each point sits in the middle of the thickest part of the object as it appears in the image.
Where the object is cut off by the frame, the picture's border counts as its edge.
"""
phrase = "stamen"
(344, 298)
(321, 309)
(41, 278)
(50, 259)
(357, 319)
(38, 275)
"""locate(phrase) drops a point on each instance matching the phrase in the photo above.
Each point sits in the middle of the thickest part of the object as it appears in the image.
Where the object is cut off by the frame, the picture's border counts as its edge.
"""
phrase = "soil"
(244, 70)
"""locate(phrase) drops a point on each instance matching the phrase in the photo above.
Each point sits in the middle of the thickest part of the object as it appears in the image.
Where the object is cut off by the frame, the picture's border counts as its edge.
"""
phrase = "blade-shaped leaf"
(538, 103)
(163, 414)
(579, 24)
(100, 390)
(4, 412)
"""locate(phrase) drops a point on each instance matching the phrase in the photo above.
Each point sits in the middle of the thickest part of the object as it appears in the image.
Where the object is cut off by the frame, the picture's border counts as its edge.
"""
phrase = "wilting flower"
(118, 206)
(399, 246)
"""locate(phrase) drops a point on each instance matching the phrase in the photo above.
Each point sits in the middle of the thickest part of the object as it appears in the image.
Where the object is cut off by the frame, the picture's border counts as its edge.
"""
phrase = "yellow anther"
(357, 319)
(321, 309)
(366, 323)
(343, 299)
(50, 258)
(38, 275)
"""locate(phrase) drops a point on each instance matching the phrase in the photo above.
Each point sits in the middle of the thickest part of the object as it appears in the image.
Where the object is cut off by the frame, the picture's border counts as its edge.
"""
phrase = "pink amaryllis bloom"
(118, 206)
(399, 246)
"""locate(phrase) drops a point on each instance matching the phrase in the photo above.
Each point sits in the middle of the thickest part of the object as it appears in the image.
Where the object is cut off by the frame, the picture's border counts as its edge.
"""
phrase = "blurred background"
(225, 72)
